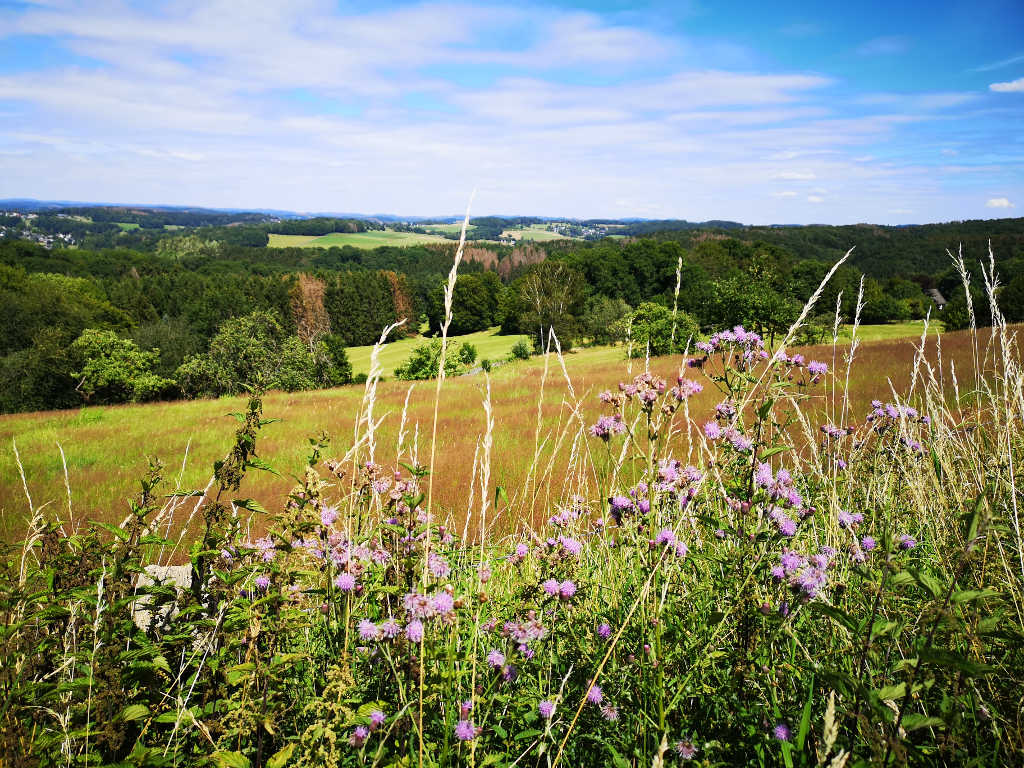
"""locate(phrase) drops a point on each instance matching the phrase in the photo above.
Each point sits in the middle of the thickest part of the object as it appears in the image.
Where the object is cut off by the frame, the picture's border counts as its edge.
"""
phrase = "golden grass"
(107, 448)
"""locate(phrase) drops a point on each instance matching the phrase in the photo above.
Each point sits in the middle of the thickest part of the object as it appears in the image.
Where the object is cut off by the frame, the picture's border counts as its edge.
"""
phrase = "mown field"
(489, 346)
(107, 448)
(370, 239)
(537, 232)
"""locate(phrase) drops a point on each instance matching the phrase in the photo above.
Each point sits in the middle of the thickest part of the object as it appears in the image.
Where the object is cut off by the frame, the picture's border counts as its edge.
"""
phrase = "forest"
(163, 318)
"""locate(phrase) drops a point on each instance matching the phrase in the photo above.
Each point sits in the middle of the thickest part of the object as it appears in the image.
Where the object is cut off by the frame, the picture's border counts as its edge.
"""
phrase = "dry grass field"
(106, 449)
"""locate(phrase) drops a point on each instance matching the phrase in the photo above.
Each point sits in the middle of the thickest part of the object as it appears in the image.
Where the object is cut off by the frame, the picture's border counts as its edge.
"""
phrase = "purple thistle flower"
(604, 631)
(443, 604)
(781, 732)
(609, 713)
(550, 586)
(907, 541)
(345, 581)
(546, 709)
(496, 658)
(377, 719)
(359, 736)
(465, 731)
(686, 750)
(262, 582)
(522, 550)
(665, 536)
(594, 695)
(438, 566)
(712, 431)
(867, 543)
(566, 590)
(390, 629)
(763, 477)
(621, 502)
(414, 631)
(681, 549)
(328, 515)
(368, 630)
(817, 369)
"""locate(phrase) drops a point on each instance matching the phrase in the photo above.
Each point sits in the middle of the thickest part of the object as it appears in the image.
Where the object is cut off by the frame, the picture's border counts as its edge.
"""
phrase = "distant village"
(23, 230)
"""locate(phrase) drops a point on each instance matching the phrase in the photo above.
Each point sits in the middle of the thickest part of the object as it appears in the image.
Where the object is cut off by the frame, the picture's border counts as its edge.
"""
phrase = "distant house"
(938, 298)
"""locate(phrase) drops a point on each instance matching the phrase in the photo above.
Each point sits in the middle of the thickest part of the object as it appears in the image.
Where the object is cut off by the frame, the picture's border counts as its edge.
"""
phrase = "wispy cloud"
(889, 45)
(1000, 64)
(1014, 86)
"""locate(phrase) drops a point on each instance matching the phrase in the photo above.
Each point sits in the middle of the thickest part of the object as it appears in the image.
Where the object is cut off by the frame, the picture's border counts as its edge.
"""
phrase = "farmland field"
(537, 232)
(369, 239)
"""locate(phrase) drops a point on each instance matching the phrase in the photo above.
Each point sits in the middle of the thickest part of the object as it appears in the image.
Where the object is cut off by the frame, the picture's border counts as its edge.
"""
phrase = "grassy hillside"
(106, 448)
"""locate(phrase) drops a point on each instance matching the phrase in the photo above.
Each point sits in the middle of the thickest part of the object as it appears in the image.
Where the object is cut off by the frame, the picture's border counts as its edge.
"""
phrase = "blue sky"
(758, 112)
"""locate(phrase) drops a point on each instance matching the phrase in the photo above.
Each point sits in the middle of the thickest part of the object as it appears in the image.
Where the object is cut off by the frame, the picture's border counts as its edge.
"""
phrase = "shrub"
(521, 350)
(651, 331)
(466, 353)
(115, 370)
(424, 362)
(248, 353)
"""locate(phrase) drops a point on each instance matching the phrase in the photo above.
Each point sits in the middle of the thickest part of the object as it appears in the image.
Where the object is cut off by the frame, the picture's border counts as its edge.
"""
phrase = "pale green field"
(371, 239)
(535, 232)
(127, 226)
(489, 345)
(913, 328)
(451, 229)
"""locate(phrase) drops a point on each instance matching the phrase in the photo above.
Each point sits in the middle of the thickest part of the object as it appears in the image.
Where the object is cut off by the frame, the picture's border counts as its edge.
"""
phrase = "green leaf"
(250, 504)
(913, 721)
(805, 719)
(281, 756)
(947, 658)
(715, 617)
(892, 692)
(929, 582)
(618, 760)
(257, 463)
(134, 712)
(970, 595)
(775, 449)
(230, 759)
(117, 530)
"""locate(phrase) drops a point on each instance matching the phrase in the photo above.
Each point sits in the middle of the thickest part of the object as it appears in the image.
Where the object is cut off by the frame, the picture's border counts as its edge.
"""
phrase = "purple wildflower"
(686, 750)
(550, 586)
(465, 731)
(712, 431)
(414, 630)
(546, 709)
(566, 590)
(390, 629)
(817, 369)
(377, 719)
(604, 631)
(496, 658)
(594, 695)
(345, 581)
(262, 582)
(609, 713)
(781, 732)
(867, 543)
(907, 541)
(359, 736)
(368, 630)
(328, 515)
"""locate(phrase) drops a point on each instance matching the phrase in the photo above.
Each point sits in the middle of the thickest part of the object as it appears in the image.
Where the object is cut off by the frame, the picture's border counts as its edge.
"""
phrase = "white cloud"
(795, 175)
(999, 202)
(784, 193)
(900, 210)
(815, 199)
(1014, 86)
(999, 64)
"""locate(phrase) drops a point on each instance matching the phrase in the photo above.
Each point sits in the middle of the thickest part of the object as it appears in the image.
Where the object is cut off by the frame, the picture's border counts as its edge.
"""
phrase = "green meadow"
(370, 239)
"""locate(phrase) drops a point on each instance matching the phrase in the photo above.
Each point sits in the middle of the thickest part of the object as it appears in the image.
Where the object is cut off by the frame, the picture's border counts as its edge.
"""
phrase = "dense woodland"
(151, 312)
